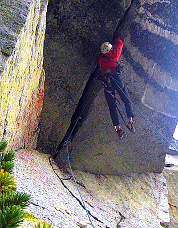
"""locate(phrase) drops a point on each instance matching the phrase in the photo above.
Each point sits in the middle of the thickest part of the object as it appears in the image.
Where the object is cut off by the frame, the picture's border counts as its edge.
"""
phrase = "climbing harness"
(108, 88)
(117, 83)
(145, 116)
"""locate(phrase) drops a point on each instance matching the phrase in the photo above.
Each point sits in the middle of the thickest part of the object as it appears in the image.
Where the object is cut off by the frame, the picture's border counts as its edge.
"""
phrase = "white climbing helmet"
(106, 47)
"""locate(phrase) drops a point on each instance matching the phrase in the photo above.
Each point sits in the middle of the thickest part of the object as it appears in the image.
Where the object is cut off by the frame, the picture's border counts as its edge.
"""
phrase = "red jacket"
(105, 63)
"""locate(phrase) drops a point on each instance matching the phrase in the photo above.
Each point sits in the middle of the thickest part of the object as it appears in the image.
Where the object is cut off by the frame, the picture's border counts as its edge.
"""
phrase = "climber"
(110, 72)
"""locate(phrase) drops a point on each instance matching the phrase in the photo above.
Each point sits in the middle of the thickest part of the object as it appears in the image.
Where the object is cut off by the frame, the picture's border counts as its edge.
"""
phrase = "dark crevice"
(122, 20)
(122, 217)
(91, 90)
(72, 194)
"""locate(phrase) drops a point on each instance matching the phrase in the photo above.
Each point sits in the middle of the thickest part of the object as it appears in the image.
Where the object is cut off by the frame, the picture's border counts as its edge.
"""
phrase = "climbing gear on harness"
(130, 126)
(106, 47)
(120, 133)
(107, 80)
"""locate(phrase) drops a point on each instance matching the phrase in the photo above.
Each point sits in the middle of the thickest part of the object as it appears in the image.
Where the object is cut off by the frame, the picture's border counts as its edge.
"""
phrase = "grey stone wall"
(22, 75)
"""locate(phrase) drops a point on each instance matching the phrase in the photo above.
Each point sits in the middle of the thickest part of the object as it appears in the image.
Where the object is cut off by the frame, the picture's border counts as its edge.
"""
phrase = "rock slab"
(137, 200)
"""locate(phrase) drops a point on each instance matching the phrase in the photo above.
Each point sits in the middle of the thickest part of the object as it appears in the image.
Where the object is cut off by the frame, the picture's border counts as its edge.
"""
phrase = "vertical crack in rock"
(91, 90)
(122, 20)
(72, 194)
(121, 219)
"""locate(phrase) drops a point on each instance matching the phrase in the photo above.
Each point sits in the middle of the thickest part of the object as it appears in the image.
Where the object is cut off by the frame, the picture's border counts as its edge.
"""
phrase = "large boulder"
(74, 32)
(75, 97)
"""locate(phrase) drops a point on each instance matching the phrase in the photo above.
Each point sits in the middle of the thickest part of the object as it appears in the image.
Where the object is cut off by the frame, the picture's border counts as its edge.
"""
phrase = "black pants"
(109, 91)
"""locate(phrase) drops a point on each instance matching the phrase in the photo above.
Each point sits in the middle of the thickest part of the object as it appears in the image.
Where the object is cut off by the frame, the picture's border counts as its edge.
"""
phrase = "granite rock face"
(21, 70)
(75, 30)
(74, 34)
(138, 200)
(171, 175)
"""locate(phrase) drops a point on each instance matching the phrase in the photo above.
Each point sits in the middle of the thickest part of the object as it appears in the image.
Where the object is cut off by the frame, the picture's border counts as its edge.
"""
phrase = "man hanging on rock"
(110, 72)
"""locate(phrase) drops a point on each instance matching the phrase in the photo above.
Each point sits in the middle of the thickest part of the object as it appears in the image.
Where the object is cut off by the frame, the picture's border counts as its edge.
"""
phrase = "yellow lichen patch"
(21, 78)
(31, 222)
(171, 175)
(30, 217)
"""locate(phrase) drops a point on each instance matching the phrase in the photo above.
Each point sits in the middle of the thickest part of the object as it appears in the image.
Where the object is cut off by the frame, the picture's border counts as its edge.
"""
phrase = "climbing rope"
(77, 186)
(144, 116)
(83, 205)
(121, 115)
(68, 156)
(118, 107)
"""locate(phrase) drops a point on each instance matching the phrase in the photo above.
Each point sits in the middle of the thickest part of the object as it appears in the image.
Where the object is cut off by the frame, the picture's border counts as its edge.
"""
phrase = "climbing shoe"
(131, 127)
(120, 133)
